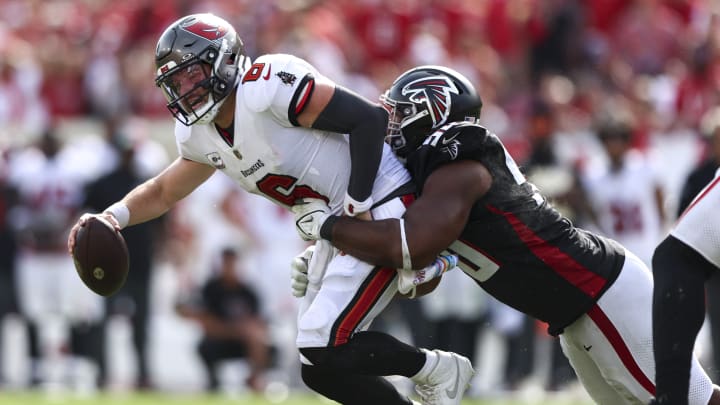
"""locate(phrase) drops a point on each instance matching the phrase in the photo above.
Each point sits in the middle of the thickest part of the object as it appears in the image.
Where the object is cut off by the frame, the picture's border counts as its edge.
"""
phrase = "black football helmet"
(199, 59)
(423, 99)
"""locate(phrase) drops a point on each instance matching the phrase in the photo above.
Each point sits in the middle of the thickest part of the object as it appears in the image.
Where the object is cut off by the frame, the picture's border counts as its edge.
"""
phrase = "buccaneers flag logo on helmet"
(208, 28)
(435, 92)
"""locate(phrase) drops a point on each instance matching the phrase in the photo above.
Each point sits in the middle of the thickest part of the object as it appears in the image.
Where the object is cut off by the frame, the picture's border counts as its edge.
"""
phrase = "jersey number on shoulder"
(433, 139)
(509, 162)
(255, 72)
(519, 177)
(512, 167)
(285, 190)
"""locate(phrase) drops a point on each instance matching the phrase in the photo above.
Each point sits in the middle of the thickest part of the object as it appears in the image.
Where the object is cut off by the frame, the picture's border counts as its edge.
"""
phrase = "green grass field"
(40, 398)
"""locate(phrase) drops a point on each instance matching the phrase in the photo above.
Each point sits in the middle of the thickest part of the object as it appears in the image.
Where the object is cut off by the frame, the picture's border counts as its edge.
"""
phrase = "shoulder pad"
(272, 77)
(455, 137)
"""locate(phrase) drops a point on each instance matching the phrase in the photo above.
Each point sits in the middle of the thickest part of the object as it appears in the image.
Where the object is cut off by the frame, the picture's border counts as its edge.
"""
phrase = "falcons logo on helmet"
(435, 93)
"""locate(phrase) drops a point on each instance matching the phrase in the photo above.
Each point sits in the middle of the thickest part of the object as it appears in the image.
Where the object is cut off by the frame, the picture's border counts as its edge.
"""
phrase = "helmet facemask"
(401, 115)
(194, 89)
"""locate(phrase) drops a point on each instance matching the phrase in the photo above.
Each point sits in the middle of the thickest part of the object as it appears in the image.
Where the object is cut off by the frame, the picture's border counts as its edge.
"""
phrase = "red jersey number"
(253, 73)
(627, 217)
(285, 190)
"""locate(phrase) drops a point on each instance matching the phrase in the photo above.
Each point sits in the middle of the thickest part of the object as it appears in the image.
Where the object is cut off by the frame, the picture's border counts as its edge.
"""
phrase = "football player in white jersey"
(681, 264)
(282, 130)
(625, 193)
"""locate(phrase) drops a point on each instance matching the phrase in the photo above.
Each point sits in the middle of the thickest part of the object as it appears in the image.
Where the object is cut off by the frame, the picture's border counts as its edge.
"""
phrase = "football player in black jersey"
(474, 202)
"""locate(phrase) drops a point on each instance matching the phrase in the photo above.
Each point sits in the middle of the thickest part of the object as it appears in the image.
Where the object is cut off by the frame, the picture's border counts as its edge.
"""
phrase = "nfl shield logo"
(216, 160)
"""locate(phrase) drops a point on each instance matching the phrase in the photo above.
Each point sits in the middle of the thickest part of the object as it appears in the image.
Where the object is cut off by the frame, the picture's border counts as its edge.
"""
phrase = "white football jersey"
(272, 157)
(699, 225)
(626, 206)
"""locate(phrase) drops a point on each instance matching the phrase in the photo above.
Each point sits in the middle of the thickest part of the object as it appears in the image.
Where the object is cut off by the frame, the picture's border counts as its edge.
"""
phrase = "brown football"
(101, 256)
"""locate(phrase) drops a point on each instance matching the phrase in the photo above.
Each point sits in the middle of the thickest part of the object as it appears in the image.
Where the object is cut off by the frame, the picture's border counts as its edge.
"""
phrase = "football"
(101, 256)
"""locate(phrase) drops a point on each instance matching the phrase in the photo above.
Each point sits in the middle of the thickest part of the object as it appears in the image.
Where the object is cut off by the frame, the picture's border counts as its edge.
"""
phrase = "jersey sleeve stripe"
(300, 98)
(563, 264)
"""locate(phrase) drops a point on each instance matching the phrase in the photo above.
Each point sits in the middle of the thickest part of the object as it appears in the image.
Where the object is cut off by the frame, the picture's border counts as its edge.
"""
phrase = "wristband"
(327, 226)
(353, 207)
(121, 213)
(406, 258)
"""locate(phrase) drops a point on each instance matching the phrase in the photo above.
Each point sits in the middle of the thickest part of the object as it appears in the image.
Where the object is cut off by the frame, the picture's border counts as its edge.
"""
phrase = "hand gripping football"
(101, 256)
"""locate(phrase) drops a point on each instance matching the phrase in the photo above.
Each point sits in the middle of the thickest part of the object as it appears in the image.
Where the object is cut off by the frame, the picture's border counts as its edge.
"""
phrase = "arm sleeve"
(365, 123)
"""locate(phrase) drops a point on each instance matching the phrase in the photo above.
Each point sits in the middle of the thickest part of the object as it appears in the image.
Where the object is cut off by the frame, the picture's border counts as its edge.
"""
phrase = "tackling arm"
(432, 222)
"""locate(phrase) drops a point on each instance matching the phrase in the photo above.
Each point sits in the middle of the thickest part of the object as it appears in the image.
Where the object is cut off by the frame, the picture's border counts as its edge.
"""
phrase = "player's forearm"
(157, 195)
(376, 242)
(366, 144)
(365, 122)
(430, 225)
(147, 202)
(380, 242)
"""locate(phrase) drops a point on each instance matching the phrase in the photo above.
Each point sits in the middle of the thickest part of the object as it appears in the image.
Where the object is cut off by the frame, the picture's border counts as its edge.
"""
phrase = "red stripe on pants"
(363, 305)
(616, 341)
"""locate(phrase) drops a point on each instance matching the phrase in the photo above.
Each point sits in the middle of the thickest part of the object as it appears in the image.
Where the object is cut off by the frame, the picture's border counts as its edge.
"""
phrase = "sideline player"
(282, 130)
(475, 203)
(681, 264)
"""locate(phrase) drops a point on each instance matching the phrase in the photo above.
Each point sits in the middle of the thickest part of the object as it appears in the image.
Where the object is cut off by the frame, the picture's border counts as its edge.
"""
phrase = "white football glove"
(409, 279)
(310, 214)
(299, 272)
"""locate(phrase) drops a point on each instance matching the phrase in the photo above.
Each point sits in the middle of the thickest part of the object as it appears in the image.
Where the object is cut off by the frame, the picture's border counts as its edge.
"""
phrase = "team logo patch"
(210, 28)
(452, 149)
(450, 146)
(435, 93)
(166, 68)
(216, 160)
(287, 78)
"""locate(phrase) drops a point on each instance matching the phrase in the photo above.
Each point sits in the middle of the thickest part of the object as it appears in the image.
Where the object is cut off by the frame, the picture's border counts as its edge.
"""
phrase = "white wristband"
(121, 213)
(407, 260)
(353, 207)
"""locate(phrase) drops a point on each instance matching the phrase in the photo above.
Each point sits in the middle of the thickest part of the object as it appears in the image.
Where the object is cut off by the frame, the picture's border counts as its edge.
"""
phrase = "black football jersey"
(515, 244)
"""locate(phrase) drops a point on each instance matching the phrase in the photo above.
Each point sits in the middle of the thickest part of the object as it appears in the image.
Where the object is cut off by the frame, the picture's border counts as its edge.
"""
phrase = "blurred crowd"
(610, 106)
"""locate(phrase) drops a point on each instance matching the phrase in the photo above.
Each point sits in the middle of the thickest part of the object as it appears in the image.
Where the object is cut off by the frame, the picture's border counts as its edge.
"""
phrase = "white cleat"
(448, 381)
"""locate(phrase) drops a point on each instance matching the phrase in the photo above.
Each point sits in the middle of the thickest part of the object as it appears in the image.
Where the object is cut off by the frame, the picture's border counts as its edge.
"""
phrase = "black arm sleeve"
(366, 123)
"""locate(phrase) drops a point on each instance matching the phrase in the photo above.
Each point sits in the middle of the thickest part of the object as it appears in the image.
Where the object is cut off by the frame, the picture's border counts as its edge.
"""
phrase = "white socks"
(431, 359)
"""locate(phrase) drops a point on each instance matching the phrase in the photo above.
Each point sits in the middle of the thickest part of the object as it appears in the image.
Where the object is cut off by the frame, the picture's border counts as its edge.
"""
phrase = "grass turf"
(44, 398)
